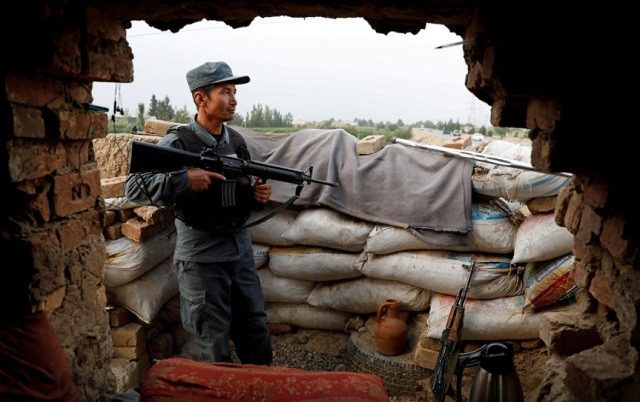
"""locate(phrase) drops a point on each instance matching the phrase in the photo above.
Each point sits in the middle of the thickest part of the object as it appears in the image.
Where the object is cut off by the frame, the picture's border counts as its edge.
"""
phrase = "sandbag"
(306, 316)
(493, 232)
(364, 295)
(127, 260)
(539, 238)
(513, 183)
(271, 230)
(486, 320)
(146, 295)
(443, 272)
(325, 227)
(285, 290)
(550, 282)
(313, 263)
(260, 254)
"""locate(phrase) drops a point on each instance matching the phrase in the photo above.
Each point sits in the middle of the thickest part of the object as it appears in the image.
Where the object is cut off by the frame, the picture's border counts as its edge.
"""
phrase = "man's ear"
(198, 97)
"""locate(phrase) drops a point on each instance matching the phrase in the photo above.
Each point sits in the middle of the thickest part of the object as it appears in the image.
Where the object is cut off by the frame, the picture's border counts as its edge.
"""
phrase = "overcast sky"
(313, 68)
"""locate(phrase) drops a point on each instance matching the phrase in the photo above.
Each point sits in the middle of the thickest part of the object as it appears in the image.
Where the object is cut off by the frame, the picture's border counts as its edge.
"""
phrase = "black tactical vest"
(225, 205)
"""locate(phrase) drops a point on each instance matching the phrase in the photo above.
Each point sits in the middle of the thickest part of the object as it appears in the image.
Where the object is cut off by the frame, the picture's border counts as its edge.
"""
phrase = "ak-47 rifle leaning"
(447, 364)
(147, 157)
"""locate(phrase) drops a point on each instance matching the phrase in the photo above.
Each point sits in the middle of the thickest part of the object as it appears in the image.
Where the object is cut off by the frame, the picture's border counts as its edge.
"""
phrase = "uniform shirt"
(163, 189)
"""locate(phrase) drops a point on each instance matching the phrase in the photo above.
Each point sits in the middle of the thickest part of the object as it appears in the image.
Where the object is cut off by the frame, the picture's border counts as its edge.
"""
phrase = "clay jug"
(391, 330)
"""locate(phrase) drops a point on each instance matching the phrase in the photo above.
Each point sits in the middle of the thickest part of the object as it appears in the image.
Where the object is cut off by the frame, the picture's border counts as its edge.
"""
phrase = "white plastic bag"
(270, 231)
(486, 320)
(539, 238)
(127, 260)
(443, 272)
(284, 290)
(493, 232)
(306, 316)
(260, 254)
(146, 295)
(325, 227)
(364, 295)
(513, 183)
(313, 263)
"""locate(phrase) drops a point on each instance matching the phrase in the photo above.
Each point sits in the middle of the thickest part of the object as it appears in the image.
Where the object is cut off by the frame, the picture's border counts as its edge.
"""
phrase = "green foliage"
(140, 116)
(266, 117)
(182, 115)
(388, 130)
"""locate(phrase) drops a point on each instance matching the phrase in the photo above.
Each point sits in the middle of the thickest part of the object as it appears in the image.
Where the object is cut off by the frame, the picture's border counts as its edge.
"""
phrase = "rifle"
(450, 340)
(149, 157)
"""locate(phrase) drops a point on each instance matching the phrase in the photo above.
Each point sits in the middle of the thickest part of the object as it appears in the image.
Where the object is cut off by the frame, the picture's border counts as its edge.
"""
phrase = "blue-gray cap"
(213, 73)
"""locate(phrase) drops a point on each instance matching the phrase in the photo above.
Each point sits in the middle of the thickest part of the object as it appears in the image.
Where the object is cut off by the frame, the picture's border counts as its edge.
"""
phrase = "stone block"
(127, 373)
(112, 152)
(128, 335)
(139, 231)
(424, 357)
(567, 333)
(460, 142)
(125, 214)
(152, 215)
(130, 352)
(113, 231)
(597, 374)
(119, 316)
(159, 127)
(542, 204)
(109, 217)
(28, 122)
(370, 144)
(27, 160)
(113, 187)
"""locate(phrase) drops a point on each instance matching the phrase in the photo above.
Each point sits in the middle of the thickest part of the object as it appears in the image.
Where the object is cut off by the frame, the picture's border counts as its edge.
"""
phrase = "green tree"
(182, 115)
(141, 117)
(153, 106)
(237, 120)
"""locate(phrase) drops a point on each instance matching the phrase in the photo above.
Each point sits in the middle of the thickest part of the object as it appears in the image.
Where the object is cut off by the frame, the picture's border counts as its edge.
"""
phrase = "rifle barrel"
(496, 160)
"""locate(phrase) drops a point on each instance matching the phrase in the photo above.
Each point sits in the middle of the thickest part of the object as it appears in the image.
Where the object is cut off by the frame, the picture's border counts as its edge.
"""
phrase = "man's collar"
(207, 137)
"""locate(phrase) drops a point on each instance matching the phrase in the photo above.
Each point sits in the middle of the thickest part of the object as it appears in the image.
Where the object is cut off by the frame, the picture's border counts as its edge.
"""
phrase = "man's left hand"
(261, 191)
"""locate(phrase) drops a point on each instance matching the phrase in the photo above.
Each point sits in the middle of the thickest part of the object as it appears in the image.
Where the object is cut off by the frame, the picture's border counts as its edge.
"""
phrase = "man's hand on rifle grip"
(200, 179)
(261, 191)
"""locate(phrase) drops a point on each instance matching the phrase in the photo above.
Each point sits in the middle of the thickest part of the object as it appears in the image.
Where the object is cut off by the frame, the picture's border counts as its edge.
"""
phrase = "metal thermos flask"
(496, 378)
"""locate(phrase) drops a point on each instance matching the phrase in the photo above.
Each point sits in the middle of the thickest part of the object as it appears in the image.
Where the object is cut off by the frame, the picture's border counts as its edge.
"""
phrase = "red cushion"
(187, 380)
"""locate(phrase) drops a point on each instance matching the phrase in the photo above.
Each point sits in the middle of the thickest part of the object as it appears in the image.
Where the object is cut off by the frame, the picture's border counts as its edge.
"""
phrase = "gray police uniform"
(220, 292)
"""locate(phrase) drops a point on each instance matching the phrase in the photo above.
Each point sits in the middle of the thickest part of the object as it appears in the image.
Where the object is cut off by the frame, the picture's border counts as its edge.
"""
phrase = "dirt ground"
(318, 350)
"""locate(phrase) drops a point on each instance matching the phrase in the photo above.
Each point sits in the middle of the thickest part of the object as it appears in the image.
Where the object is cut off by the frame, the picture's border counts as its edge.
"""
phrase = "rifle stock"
(149, 157)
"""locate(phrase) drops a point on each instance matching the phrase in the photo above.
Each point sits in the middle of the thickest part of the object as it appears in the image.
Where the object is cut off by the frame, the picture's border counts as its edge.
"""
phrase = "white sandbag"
(271, 230)
(539, 238)
(512, 183)
(325, 227)
(306, 316)
(493, 232)
(116, 203)
(260, 254)
(486, 320)
(127, 260)
(550, 282)
(283, 290)
(313, 263)
(443, 272)
(365, 295)
(146, 295)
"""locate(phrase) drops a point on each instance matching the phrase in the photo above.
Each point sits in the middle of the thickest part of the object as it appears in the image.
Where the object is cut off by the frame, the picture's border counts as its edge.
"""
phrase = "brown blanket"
(398, 186)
